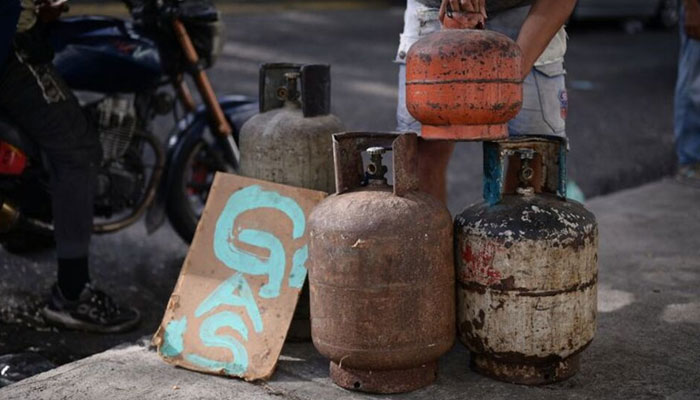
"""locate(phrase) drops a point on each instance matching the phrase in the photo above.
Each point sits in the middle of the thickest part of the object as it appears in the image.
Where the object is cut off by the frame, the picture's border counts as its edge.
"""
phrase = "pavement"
(647, 345)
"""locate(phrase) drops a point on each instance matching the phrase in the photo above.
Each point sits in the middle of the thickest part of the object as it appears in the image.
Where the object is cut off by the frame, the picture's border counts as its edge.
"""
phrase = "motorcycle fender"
(193, 126)
(10, 134)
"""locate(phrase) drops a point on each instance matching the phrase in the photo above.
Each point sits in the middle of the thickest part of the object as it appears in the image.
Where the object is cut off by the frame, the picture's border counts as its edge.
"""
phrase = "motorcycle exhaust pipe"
(11, 219)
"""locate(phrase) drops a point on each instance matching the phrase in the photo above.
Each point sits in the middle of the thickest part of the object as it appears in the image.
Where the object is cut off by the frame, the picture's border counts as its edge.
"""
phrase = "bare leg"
(433, 159)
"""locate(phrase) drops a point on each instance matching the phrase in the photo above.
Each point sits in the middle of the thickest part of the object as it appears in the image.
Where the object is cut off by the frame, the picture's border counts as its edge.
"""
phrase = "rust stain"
(480, 264)
(576, 288)
(479, 323)
(507, 285)
(523, 369)
(501, 305)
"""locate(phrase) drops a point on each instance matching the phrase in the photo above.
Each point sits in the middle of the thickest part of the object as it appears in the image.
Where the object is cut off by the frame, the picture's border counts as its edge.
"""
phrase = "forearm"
(545, 19)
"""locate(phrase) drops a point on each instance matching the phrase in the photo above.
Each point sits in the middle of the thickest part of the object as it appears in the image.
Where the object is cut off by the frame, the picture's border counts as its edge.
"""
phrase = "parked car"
(663, 13)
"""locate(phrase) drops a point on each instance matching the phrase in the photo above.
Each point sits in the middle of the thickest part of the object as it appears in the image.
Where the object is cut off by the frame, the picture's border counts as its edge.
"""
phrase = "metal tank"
(290, 143)
(381, 270)
(464, 84)
(527, 267)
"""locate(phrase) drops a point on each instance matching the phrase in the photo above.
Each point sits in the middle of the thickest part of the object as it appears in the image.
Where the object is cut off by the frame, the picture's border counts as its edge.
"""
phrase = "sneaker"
(94, 311)
(689, 175)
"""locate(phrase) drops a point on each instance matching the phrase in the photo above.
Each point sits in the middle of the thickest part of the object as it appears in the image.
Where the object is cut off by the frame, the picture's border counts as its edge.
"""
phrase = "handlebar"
(164, 11)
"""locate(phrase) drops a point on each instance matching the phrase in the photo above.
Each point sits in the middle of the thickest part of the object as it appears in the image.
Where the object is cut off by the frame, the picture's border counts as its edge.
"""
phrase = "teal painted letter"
(207, 334)
(236, 292)
(251, 198)
(298, 273)
(172, 340)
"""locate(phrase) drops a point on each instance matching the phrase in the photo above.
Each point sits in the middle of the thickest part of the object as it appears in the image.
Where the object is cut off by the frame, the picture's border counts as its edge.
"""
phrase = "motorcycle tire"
(22, 243)
(182, 213)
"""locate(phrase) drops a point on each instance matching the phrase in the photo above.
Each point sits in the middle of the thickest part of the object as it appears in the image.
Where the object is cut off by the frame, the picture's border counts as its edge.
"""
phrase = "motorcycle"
(126, 67)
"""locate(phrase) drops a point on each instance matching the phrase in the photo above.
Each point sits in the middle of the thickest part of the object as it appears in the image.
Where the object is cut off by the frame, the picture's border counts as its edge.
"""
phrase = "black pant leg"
(42, 105)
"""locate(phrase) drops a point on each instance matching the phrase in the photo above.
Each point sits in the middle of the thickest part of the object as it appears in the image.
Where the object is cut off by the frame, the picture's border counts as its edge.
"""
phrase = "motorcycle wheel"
(192, 180)
(20, 243)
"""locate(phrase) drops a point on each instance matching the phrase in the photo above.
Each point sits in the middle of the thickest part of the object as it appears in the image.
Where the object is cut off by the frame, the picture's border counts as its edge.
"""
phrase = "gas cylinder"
(464, 84)
(290, 143)
(381, 270)
(527, 267)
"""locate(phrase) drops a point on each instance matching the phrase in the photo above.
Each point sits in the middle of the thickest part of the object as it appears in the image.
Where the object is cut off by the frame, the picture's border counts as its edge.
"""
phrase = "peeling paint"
(527, 286)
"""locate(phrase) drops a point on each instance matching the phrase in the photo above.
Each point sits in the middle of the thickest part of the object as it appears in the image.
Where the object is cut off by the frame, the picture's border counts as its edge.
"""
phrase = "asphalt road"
(620, 126)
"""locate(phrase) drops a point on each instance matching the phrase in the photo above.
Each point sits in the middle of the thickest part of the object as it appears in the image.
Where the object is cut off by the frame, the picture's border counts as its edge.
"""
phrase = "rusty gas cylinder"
(381, 271)
(289, 142)
(527, 267)
(464, 84)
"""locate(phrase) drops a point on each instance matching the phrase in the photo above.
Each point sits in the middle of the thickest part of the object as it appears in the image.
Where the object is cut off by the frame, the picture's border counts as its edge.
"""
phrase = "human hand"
(692, 19)
(463, 6)
(51, 10)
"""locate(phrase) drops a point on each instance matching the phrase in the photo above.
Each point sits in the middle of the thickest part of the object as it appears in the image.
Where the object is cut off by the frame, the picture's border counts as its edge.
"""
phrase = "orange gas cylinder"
(464, 84)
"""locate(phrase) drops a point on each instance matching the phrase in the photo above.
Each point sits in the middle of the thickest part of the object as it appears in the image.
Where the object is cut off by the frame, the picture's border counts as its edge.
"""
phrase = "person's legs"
(433, 156)
(545, 103)
(404, 120)
(687, 103)
(433, 160)
(39, 101)
(45, 109)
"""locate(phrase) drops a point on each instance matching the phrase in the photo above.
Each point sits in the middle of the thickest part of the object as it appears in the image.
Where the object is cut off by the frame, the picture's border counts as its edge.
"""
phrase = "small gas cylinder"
(464, 84)
(381, 271)
(527, 267)
(290, 142)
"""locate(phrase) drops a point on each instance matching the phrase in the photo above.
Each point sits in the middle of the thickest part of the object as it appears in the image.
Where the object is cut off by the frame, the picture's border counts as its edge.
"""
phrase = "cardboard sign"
(235, 297)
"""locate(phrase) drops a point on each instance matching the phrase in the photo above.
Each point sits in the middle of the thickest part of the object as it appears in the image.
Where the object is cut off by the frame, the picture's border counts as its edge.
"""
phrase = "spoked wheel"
(192, 180)
(21, 243)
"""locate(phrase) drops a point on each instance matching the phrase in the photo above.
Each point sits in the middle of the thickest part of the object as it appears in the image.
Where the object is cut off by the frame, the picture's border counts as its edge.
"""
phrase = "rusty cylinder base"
(384, 382)
(465, 132)
(524, 373)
